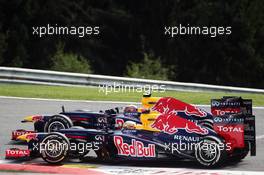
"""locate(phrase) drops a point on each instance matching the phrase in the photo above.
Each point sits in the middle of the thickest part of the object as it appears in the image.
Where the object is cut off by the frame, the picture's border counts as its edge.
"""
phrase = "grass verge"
(93, 93)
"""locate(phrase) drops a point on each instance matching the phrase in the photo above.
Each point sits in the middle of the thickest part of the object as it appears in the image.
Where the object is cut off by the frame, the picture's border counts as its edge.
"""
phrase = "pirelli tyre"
(34, 148)
(54, 148)
(210, 151)
(57, 122)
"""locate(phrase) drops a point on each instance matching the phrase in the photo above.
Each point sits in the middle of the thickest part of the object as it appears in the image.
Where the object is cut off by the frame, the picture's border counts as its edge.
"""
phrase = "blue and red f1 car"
(164, 128)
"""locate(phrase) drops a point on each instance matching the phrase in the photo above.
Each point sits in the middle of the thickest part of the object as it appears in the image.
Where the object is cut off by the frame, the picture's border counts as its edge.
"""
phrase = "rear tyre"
(54, 148)
(57, 122)
(210, 151)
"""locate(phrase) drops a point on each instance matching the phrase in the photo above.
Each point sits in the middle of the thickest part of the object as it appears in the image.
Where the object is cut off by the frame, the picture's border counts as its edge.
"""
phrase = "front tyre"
(54, 148)
(56, 123)
(210, 151)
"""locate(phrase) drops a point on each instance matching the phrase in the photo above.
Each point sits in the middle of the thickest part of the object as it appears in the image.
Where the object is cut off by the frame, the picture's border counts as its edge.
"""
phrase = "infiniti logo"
(218, 119)
(99, 137)
(215, 103)
(228, 120)
(102, 120)
(224, 103)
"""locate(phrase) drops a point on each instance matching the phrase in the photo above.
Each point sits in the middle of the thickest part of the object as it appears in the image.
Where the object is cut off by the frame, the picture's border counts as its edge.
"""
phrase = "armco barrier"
(32, 76)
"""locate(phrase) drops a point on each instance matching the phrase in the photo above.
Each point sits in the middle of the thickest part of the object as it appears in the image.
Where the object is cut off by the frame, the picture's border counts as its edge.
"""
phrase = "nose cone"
(27, 137)
(22, 138)
(28, 119)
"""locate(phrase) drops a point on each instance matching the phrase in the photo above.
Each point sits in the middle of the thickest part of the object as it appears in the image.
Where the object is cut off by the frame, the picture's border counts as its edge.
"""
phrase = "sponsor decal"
(17, 133)
(102, 120)
(168, 105)
(99, 137)
(17, 153)
(119, 123)
(225, 103)
(75, 136)
(232, 133)
(228, 120)
(135, 149)
(230, 129)
(131, 114)
(170, 124)
(31, 136)
(226, 111)
(187, 138)
(215, 103)
(37, 118)
(78, 118)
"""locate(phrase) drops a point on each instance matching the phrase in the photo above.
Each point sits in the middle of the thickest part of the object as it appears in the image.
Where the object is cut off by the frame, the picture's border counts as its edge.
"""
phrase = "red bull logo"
(37, 118)
(136, 149)
(170, 124)
(168, 105)
(31, 136)
(119, 123)
(17, 133)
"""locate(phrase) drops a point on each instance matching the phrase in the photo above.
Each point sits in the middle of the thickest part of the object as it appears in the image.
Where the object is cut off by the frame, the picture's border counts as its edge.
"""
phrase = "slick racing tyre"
(33, 145)
(54, 148)
(210, 151)
(57, 122)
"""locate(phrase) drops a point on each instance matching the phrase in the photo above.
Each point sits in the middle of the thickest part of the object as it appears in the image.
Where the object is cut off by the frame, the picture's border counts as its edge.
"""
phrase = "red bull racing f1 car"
(164, 128)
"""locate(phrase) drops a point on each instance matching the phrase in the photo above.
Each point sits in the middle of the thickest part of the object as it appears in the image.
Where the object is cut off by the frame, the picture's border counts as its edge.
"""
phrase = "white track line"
(165, 171)
(260, 137)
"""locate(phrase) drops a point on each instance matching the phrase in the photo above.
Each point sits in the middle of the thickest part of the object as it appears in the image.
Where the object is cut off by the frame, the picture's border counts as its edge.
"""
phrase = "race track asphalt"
(13, 110)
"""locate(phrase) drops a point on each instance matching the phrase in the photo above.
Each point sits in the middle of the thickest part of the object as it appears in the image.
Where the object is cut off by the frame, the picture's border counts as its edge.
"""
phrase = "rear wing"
(236, 105)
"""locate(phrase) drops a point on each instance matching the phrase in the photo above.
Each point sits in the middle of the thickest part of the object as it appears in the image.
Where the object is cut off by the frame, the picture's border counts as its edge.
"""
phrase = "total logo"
(135, 149)
(223, 112)
(17, 153)
(230, 129)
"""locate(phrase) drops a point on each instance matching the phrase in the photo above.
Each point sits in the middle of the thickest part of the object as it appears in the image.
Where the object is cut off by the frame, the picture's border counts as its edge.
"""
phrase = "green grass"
(92, 93)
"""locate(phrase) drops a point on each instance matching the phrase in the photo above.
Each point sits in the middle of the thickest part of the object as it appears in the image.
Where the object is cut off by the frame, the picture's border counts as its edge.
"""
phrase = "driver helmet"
(131, 110)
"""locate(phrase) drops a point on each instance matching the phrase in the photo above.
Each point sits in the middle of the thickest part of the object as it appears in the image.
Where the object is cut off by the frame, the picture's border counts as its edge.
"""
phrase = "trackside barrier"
(33, 76)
